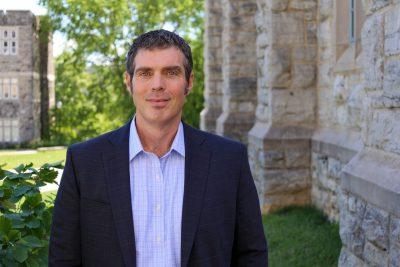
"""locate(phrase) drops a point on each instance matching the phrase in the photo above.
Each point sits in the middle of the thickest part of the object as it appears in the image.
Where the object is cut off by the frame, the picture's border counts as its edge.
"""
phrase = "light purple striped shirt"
(157, 186)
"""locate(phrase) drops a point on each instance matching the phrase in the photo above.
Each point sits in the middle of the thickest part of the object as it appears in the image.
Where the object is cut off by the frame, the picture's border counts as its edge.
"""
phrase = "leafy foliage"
(89, 74)
(25, 216)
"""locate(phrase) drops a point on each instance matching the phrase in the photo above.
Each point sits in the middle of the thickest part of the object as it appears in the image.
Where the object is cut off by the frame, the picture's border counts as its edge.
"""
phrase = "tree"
(89, 74)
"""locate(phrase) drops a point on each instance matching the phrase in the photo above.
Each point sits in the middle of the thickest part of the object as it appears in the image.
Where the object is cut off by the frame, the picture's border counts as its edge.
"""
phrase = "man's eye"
(173, 72)
(144, 74)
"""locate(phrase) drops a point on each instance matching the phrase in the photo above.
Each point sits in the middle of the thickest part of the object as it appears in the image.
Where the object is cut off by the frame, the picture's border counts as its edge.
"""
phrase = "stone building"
(26, 77)
(313, 88)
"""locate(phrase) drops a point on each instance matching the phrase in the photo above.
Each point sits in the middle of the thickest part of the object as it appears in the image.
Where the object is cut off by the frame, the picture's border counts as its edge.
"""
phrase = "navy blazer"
(221, 220)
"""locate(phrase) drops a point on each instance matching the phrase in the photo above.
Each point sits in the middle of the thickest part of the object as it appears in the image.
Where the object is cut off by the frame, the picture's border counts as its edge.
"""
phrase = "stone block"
(325, 9)
(278, 65)
(378, 4)
(311, 32)
(395, 238)
(356, 205)
(303, 4)
(347, 259)
(394, 257)
(287, 106)
(297, 157)
(373, 44)
(236, 70)
(384, 130)
(241, 53)
(245, 8)
(241, 88)
(271, 159)
(304, 75)
(351, 233)
(374, 256)
(241, 23)
(287, 28)
(273, 202)
(334, 167)
(305, 53)
(391, 81)
(376, 227)
(278, 5)
(287, 181)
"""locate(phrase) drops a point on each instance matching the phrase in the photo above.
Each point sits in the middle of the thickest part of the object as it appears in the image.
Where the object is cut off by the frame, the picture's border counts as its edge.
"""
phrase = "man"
(157, 192)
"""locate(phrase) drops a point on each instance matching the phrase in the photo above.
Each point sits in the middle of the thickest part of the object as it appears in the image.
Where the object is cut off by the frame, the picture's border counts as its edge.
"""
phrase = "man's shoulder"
(99, 143)
(219, 143)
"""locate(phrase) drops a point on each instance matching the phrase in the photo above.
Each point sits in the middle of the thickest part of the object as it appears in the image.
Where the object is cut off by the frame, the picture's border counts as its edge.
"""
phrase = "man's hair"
(159, 39)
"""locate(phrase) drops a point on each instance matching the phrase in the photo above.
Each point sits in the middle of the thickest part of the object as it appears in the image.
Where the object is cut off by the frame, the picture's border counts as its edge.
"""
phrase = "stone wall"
(327, 117)
(370, 233)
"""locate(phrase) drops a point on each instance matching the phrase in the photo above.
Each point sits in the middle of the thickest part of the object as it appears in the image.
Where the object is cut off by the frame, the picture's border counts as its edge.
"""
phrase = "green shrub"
(25, 216)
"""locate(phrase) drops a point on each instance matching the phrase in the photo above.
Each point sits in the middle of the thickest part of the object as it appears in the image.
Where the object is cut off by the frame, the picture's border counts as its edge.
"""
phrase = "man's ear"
(190, 84)
(128, 82)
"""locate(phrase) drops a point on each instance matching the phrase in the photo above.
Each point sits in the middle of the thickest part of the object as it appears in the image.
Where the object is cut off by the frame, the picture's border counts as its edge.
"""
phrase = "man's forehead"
(159, 56)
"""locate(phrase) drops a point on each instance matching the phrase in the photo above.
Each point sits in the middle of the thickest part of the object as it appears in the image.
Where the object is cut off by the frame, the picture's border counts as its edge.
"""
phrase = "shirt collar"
(135, 145)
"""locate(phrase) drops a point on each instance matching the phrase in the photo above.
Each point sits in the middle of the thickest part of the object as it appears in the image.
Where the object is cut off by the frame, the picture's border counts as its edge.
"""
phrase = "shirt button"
(158, 239)
(158, 207)
(157, 177)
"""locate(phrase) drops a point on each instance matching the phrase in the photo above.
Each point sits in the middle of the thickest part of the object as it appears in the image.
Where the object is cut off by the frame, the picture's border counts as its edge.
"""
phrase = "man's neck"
(156, 138)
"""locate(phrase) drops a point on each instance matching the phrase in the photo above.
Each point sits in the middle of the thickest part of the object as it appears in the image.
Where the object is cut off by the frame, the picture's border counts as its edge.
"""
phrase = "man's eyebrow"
(172, 68)
(142, 69)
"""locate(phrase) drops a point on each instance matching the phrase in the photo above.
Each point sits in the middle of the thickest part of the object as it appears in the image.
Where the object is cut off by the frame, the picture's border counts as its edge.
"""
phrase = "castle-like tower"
(26, 77)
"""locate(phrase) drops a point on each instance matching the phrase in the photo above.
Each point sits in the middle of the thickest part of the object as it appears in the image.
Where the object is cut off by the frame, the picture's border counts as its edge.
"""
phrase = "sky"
(33, 5)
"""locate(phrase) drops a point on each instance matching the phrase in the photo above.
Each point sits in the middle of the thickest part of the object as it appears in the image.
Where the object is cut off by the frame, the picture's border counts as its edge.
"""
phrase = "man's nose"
(157, 82)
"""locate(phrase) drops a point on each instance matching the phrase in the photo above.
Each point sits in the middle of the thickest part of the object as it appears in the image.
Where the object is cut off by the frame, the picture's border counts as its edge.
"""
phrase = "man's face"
(158, 85)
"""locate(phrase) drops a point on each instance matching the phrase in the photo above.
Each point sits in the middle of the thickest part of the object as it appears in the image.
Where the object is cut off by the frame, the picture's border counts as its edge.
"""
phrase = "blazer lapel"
(116, 165)
(196, 171)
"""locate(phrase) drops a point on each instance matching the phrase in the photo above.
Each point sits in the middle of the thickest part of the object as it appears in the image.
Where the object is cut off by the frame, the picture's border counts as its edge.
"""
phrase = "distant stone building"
(26, 78)
(313, 88)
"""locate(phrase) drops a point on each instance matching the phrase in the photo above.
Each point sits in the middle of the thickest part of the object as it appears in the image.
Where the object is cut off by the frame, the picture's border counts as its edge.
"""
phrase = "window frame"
(7, 40)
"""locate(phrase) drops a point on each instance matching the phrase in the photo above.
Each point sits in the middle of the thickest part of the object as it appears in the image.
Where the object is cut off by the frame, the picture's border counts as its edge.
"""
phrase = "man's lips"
(158, 102)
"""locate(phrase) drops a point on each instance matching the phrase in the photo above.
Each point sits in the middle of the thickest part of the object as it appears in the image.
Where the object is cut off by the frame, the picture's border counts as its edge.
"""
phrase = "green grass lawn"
(301, 237)
(38, 159)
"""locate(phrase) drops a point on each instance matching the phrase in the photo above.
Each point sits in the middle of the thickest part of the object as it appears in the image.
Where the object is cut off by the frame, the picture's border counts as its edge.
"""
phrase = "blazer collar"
(116, 165)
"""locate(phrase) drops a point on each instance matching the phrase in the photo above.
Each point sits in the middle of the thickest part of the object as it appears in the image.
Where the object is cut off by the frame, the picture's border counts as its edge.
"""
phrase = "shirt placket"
(159, 237)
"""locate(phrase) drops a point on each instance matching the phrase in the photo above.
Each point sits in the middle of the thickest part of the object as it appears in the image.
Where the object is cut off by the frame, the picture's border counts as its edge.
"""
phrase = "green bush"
(25, 216)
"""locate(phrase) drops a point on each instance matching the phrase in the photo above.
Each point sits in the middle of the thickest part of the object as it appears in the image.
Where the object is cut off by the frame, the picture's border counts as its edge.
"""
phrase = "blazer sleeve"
(64, 247)
(250, 245)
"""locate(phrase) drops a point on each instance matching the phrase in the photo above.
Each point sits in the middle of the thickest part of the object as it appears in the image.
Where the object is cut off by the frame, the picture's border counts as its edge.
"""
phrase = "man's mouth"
(156, 102)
